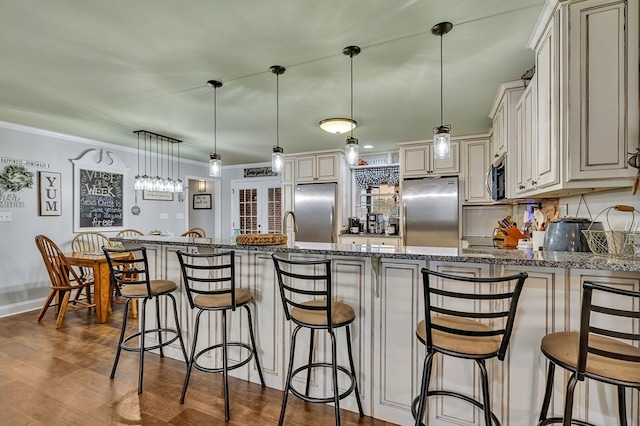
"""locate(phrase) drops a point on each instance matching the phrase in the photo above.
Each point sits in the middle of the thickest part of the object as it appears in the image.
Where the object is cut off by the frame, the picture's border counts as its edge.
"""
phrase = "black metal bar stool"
(131, 277)
(457, 328)
(319, 313)
(201, 273)
(596, 351)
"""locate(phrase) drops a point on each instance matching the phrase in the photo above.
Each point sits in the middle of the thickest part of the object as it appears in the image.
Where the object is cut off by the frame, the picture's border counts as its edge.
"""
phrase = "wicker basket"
(618, 244)
(261, 239)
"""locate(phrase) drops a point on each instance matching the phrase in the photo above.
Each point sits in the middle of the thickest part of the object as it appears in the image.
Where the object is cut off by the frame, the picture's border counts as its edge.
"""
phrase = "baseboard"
(21, 307)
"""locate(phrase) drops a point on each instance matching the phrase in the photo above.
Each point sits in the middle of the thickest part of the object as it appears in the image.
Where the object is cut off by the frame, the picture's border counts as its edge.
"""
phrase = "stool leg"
(568, 400)
(225, 367)
(311, 341)
(158, 325)
(353, 371)
(485, 391)
(119, 350)
(178, 331)
(289, 372)
(334, 371)
(424, 387)
(622, 406)
(253, 345)
(142, 338)
(547, 393)
(191, 360)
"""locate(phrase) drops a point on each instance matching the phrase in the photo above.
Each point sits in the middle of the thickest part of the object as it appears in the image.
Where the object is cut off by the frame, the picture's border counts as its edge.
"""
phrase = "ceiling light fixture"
(338, 125)
(277, 157)
(351, 147)
(442, 133)
(215, 163)
(158, 183)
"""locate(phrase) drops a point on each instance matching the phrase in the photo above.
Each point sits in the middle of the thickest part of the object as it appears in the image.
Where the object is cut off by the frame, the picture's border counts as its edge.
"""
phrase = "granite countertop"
(547, 259)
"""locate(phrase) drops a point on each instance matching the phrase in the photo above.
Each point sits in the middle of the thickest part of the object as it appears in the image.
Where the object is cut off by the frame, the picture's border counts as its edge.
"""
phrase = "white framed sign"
(50, 194)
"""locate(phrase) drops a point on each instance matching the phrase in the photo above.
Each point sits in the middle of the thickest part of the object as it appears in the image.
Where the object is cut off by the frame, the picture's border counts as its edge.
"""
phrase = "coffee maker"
(372, 223)
(354, 225)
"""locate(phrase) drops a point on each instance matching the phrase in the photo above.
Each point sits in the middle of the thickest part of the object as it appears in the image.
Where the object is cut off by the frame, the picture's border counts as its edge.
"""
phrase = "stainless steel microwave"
(495, 179)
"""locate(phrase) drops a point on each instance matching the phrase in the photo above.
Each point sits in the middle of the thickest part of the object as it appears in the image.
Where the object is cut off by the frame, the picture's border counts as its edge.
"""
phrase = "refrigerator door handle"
(333, 238)
(404, 224)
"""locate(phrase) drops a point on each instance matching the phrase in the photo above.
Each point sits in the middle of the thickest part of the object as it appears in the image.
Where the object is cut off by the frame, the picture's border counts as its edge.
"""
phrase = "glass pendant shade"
(441, 142)
(215, 165)
(351, 151)
(277, 159)
(138, 183)
(178, 187)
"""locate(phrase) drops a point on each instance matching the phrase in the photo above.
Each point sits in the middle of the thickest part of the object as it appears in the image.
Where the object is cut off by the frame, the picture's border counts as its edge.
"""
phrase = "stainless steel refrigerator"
(430, 212)
(315, 207)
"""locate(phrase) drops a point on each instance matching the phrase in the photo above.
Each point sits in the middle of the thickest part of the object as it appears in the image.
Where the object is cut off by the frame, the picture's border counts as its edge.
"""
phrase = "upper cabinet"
(417, 160)
(503, 116)
(476, 170)
(322, 167)
(581, 114)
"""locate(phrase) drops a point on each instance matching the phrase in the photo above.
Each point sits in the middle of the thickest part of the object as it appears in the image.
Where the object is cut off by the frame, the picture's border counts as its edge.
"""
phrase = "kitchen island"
(384, 285)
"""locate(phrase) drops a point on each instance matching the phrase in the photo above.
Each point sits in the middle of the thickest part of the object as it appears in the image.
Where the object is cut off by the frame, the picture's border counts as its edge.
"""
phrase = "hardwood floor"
(61, 377)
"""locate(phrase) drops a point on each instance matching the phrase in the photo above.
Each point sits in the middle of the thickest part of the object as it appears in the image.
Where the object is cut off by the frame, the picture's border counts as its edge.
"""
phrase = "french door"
(257, 206)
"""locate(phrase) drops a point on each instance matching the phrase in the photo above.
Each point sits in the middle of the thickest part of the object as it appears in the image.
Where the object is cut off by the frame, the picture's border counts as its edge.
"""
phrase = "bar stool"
(315, 314)
(595, 352)
(452, 327)
(131, 277)
(201, 272)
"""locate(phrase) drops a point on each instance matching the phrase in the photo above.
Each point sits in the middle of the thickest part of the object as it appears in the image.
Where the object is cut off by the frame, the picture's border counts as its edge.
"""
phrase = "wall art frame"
(49, 193)
(201, 201)
(157, 195)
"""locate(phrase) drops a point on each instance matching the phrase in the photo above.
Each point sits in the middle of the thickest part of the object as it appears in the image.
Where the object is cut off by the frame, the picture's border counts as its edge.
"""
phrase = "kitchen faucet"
(284, 220)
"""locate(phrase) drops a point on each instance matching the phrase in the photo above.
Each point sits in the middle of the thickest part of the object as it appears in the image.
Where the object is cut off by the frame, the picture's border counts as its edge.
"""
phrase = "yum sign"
(50, 195)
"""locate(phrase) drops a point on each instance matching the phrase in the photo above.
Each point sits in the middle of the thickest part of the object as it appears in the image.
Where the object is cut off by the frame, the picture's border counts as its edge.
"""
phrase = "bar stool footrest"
(219, 346)
(558, 420)
(324, 400)
(171, 333)
(466, 398)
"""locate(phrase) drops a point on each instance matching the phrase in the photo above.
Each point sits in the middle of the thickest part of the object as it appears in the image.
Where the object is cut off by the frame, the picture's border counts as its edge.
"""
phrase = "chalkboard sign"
(100, 182)
(101, 199)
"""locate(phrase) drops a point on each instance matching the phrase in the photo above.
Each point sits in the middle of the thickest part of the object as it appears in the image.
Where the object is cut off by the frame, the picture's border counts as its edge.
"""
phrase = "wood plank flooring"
(61, 377)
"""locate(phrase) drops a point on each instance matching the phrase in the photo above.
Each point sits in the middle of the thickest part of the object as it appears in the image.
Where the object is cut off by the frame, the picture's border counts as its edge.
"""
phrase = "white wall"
(23, 279)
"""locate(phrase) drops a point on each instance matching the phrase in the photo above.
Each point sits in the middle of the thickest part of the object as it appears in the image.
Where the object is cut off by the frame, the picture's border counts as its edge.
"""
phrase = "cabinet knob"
(496, 155)
(534, 182)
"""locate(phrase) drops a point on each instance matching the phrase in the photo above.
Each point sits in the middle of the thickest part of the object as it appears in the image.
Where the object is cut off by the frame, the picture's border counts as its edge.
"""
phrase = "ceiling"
(103, 69)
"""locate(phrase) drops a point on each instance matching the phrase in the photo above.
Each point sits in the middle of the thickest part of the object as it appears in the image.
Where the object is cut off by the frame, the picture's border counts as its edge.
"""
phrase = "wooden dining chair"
(64, 280)
(195, 233)
(89, 242)
(129, 233)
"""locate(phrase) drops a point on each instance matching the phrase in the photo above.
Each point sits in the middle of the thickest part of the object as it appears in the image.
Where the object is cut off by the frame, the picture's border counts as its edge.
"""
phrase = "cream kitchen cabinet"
(371, 241)
(586, 54)
(503, 117)
(417, 160)
(525, 159)
(321, 167)
(475, 170)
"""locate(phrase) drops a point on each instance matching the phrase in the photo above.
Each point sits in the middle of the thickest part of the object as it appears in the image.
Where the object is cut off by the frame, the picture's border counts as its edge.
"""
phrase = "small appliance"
(394, 225)
(379, 224)
(566, 235)
(497, 186)
(372, 223)
(354, 225)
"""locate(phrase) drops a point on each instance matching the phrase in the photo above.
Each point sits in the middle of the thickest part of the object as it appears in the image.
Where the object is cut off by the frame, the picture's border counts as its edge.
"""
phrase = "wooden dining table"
(101, 278)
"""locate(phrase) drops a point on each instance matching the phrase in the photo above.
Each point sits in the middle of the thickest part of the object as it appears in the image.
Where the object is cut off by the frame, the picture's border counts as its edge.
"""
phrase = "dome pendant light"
(351, 147)
(215, 163)
(442, 133)
(277, 157)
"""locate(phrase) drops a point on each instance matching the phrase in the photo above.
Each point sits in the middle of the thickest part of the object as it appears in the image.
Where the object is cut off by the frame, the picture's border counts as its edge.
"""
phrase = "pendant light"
(215, 163)
(351, 147)
(442, 133)
(277, 157)
(138, 182)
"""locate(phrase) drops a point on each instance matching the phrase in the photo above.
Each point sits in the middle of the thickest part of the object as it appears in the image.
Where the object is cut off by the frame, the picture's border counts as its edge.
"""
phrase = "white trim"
(21, 307)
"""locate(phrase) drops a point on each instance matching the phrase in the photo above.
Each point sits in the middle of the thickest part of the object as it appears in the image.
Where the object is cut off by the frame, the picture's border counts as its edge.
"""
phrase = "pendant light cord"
(138, 154)
(352, 126)
(441, 86)
(277, 110)
(215, 120)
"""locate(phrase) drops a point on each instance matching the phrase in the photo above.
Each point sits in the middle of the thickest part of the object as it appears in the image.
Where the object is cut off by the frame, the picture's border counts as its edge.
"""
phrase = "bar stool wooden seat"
(596, 351)
(455, 324)
(131, 277)
(203, 274)
(320, 313)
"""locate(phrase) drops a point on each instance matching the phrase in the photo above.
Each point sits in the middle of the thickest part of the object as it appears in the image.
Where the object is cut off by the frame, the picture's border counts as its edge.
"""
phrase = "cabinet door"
(598, 90)
(476, 167)
(287, 171)
(499, 131)
(415, 160)
(327, 167)
(449, 165)
(526, 159)
(384, 241)
(547, 156)
(353, 239)
(305, 168)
